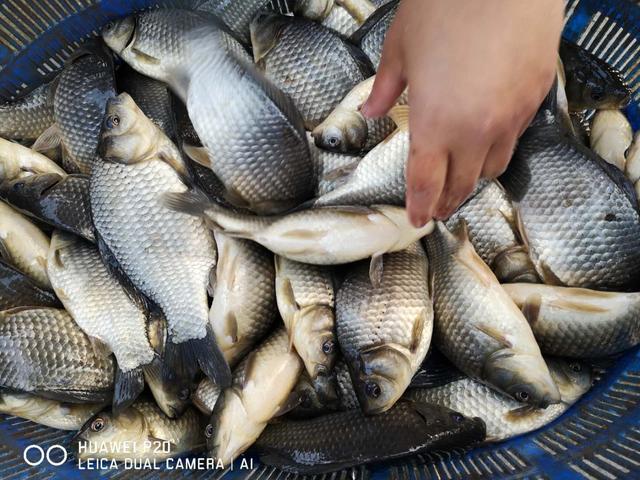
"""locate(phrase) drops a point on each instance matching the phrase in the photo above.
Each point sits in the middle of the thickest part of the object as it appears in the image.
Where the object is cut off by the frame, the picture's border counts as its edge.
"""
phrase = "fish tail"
(192, 202)
(128, 386)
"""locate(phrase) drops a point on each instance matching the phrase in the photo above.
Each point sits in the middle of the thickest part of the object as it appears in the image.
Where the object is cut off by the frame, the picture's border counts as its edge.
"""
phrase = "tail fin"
(192, 202)
(128, 386)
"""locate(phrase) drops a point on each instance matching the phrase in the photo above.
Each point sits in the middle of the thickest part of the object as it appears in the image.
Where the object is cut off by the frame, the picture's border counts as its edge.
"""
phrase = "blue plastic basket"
(598, 438)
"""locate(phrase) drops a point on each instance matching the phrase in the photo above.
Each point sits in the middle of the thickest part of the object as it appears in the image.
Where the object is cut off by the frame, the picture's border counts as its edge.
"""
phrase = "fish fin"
(231, 326)
(519, 226)
(234, 198)
(461, 231)
(48, 140)
(100, 349)
(292, 401)
(565, 304)
(263, 40)
(548, 276)
(491, 332)
(353, 209)
(275, 458)
(286, 292)
(371, 21)
(400, 116)
(128, 386)
(531, 308)
(198, 154)
(431, 283)
(249, 365)
(340, 174)
(192, 202)
(144, 58)
(520, 413)
(469, 259)
(171, 156)
(361, 59)
(213, 280)
(303, 234)
(376, 269)
(418, 330)
(4, 251)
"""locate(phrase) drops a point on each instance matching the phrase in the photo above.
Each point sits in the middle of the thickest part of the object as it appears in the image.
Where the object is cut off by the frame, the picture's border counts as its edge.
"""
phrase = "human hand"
(477, 71)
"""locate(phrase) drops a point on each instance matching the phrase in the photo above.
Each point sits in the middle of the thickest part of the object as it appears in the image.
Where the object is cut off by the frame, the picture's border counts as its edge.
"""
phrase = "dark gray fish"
(370, 36)
(18, 290)
(236, 14)
(345, 439)
(26, 118)
(60, 202)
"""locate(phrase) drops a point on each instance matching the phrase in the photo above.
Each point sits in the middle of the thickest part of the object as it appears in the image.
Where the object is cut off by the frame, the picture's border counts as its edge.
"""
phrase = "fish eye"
(576, 367)
(372, 389)
(327, 347)
(184, 394)
(112, 121)
(305, 402)
(97, 425)
(333, 141)
(597, 93)
(522, 396)
(456, 417)
(109, 26)
(208, 431)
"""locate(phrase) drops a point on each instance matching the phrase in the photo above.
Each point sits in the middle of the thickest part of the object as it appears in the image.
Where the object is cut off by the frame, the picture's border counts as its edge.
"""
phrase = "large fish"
(236, 14)
(256, 143)
(576, 322)
(44, 352)
(244, 296)
(504, 416)
(167, 255)
(62, 202)
(479, 328)
(18, 290)
(346, 439)
(385, 331)
(17, 161)
(25, 119)
(370, 36)
(312, 64)
(577, 214)
(102, 309)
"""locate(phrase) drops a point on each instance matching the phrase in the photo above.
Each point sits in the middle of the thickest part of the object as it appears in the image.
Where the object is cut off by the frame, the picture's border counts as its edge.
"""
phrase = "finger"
(499, 157)
(426, 174)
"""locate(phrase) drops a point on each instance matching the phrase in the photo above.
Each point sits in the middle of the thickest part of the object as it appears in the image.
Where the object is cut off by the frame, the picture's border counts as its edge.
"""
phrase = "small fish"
(261, 389)
(24, 245)
(62, 202)
(16, 160)
(611, 136)
(479, 328)
(74, 370)
(18, 290)
(145, 429)
(346, 439)
(385, 330)
(371, 35)
(310, 63)
(25, 119)
(52, 413)
(579, 323)
(591, 82)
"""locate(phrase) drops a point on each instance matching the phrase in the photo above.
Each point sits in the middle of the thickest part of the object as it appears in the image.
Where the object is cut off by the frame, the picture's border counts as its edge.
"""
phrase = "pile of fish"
(204, 243)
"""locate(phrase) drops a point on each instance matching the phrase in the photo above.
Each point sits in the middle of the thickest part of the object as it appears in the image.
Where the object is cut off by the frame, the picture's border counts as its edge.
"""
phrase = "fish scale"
(370, 37)
(27, 118)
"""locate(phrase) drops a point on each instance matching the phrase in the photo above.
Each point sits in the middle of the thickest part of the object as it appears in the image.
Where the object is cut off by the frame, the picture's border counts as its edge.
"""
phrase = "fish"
(92, 295)
(244, 296)
(577, 322)
(24, 245)
(316, 10)
(148, 432)
(505, 417)
(590, 81)
(62, 202)
(611, 136)
(312, 64)
(236, 14)
(261, 388)
(330, 167)
(346, 130)
(206, 395)
(26, 118)
(577, 215)
(310, 446)
(321, 236)
(346, 392)
(16, 159)
(479, 328)
(379, 178)
(256, 145)
(19, 290)
(384, 331)
(632, 164)
(52, 413)
(81, 93)
(371, 34)
(491, 223)
(44, 352)
(306, 302)
(165, 254)
(310, 403)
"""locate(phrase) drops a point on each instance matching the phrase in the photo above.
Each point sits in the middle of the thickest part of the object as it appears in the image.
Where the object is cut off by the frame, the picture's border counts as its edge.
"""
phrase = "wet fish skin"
(145, 428)
(632, 165)
(310, 447)
(206, 395)
(330, 167)
(267, 167)
(44, 352)
(479, 328)
(611, 136)
(244, 297)
(62, 202)
(167, 255)
(236, 14)
(577, 322)
(326, 66)
(16, 159)
(25, 119)
(323, 236)
(19, 290)
(572, 209)
(371, 34)
(504, 416)
(384, 331)
(316, 10)
(591, 82)
(52, 413)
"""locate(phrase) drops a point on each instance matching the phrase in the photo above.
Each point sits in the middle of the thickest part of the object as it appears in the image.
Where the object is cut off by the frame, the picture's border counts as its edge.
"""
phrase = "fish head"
(572, 377)
(266, 28)
(105, 433)
(28, 191)
(382, 375)
(597, 87)
(523, 376)
(118, 34)
(437, 419)
(343, 131)
(314, 9)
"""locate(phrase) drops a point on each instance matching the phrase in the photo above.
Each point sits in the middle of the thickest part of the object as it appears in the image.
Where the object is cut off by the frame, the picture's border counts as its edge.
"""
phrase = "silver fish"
(166, 255)
(26, 118)
(15, 160)
(236, 14)
(330, 167)
(479, 328)
(371, 35)
(576, 322)
(18, 290)
(385, 331)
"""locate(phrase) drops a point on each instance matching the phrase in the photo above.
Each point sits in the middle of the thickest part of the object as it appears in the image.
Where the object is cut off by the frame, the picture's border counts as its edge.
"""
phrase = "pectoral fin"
(48, 140)
(492, 332)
